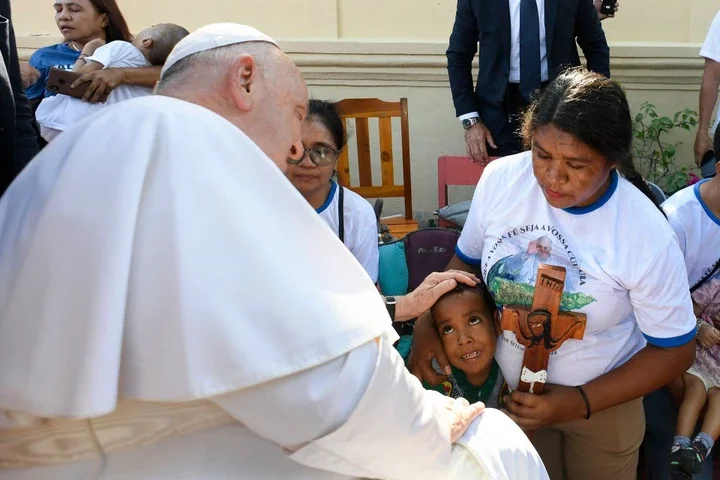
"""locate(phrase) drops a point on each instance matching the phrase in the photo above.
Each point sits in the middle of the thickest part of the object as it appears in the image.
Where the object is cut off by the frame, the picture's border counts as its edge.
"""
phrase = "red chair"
(456, 170)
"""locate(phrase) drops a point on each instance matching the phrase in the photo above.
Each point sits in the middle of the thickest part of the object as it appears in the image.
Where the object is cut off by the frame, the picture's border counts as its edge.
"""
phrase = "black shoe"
(701, 453)
(681, 462)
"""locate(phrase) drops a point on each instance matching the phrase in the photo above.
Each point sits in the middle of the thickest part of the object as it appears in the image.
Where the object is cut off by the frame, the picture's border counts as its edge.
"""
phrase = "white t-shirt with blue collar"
(624, 268)
(697, 230)
(361, 234)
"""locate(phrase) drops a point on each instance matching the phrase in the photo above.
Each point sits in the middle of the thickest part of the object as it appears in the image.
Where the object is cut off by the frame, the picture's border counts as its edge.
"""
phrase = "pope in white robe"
(171, 308)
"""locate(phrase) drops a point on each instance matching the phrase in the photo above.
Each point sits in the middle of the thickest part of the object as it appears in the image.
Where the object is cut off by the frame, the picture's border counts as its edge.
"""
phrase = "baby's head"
(157, 42)
(466, 320)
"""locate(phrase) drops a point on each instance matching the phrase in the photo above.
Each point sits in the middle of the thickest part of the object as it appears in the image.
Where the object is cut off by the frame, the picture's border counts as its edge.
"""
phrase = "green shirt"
(457, 384)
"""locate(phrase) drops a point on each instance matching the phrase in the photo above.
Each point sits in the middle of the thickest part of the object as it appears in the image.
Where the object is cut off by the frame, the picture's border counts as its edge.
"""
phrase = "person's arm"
(707, 100)
(339, 417)
(591, 38)
(435, 285)
(106, 80)
(460, 53)
(35, 91)
(83, 64)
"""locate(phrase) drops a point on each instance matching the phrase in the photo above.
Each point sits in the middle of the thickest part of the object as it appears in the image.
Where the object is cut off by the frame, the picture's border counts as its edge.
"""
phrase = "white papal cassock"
(171, 308)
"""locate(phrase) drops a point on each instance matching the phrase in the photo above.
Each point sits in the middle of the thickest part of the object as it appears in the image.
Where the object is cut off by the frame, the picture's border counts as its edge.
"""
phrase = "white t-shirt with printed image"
(711, 50)
(61, 112)
(361, 235)
(697, 230)
(624, 268)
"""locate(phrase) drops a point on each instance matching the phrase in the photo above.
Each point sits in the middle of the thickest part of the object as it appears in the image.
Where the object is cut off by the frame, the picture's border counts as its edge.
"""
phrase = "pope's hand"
(430, 290)
(460, 415)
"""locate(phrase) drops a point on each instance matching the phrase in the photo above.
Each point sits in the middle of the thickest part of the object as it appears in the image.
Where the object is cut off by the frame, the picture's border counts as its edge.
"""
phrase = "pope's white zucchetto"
(214, 36)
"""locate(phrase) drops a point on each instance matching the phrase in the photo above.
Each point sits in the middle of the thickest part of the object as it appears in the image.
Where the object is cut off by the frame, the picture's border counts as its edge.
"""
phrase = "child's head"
(157, 42)
(466, 320)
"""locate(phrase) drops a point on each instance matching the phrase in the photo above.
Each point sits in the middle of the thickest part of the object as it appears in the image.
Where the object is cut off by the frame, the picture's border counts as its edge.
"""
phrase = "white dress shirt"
(514, 76)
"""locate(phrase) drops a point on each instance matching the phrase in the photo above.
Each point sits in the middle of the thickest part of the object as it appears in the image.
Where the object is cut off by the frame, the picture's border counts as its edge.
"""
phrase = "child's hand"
(708, 336)
(92, 45)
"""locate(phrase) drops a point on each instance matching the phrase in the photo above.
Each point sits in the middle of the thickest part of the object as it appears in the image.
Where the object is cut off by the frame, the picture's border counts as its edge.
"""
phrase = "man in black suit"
(523, 44)
(18, 138)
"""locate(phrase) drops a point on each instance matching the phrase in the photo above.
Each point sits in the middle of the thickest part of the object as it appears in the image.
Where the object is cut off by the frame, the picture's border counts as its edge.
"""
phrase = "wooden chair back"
(360, 110)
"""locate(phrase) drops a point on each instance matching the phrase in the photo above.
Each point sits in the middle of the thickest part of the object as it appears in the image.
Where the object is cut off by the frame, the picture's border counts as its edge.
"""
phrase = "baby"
(151, 47)
(467, 321)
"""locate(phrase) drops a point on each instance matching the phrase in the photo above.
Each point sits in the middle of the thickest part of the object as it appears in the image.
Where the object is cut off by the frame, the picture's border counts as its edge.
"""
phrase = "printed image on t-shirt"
(516, 257)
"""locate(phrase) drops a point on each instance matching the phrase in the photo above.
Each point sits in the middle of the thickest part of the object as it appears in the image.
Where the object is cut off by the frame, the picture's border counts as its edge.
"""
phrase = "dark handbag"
(707, 164)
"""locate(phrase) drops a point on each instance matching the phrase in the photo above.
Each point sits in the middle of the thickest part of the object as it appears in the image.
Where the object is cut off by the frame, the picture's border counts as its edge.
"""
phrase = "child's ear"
(147, 42)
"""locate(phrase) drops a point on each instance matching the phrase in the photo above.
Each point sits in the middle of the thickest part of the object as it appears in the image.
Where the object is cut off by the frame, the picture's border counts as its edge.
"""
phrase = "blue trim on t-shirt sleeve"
(600, 201)
(329, 199)
(709, 213)
(465, 258)
(672, 341)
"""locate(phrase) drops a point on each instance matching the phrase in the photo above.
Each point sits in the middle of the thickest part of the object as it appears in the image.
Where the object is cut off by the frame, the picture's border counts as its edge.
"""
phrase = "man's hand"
(477, 138)
(703, 143)
(429, 291)
(102, 82)
(708, 336)
(602, 16)
(460, 415)
(30, 75)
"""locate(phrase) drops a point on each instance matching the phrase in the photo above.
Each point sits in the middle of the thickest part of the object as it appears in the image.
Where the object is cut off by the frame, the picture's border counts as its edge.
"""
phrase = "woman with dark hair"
(79, 22)
(575, 200)
(349, 215)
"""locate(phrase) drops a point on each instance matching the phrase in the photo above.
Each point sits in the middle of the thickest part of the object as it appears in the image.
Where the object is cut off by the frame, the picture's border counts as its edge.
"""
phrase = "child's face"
(468, 330)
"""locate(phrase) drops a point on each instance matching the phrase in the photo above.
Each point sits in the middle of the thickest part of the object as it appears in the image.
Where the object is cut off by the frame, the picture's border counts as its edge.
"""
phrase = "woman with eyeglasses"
(349, 215)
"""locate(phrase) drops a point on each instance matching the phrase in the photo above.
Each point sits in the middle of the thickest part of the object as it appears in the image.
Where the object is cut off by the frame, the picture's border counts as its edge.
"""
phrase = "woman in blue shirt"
(80, 21)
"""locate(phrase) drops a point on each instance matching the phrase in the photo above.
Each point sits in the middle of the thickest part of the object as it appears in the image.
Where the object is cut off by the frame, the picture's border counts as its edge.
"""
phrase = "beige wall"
(425, 20)
(394, 48)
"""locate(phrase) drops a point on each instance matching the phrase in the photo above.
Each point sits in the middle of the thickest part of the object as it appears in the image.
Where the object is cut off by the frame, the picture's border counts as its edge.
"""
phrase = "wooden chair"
(361, 109)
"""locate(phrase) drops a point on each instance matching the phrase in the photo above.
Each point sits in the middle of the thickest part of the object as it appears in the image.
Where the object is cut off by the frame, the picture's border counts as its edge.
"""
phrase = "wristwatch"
(390, 303)
(469, 122)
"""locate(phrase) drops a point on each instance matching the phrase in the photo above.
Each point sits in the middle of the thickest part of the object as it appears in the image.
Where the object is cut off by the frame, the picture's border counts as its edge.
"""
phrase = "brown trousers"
(604, 447)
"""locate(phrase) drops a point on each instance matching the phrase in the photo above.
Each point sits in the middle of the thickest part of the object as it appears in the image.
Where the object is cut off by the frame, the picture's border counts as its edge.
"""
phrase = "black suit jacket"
(487, 22)
(18, 137)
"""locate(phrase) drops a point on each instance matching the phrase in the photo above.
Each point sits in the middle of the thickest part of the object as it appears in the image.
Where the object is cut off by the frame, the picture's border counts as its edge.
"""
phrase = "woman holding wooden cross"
(622, 322)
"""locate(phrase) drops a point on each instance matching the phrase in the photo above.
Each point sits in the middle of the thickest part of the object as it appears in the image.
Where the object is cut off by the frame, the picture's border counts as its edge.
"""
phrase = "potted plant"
(655, 155)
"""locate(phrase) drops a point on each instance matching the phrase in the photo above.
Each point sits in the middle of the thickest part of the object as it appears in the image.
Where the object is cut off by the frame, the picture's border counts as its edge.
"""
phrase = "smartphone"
(707, 164)
(608, 7)
(59, 81)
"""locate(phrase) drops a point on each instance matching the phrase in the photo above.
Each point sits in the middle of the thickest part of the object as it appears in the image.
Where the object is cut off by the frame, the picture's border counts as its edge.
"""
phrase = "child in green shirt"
(467, 322)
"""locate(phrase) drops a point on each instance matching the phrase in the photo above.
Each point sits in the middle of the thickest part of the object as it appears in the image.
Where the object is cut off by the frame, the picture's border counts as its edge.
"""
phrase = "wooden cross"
(543, 328)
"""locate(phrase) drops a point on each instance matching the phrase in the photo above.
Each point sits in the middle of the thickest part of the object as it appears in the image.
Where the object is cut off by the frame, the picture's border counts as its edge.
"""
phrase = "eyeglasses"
(321, 156)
